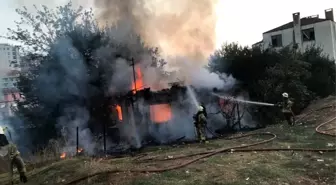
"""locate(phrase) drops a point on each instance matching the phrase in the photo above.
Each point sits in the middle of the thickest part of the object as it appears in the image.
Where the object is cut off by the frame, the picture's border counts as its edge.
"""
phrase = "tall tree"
(67, 68)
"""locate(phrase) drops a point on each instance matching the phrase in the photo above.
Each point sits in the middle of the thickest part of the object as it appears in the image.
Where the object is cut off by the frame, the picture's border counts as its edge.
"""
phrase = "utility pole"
(134, 74)
(104, 136)
(134, 78)
(77, 140)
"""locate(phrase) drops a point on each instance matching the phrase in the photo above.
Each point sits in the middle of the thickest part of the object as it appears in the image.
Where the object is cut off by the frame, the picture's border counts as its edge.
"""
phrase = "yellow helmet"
(200, 108)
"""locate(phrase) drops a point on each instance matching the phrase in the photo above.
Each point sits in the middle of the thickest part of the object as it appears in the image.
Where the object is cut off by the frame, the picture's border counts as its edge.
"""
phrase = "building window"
(308, 35)
(277, 40)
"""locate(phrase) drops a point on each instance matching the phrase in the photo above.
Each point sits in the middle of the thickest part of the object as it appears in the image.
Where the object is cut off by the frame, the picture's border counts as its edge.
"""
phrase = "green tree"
(322, 80)
(67, 68)
(265, 74)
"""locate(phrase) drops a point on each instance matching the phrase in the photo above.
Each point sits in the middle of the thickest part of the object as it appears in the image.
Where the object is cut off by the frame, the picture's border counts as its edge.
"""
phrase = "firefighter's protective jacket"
(286, 106)
(10, 150)
(200, 124)
(201, 119)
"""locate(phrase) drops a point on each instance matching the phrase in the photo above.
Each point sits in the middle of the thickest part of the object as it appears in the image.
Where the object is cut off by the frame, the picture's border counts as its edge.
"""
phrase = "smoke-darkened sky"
(239, 21)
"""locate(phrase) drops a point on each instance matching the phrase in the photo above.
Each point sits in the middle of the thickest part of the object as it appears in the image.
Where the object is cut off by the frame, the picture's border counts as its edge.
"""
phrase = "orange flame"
(160, 113)
(79, 150)
(119, 111)
(63, 155)
(138, 80)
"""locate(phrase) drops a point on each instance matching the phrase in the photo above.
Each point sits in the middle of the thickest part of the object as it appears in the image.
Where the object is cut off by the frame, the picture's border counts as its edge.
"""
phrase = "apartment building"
(304, 32)
(9, 72)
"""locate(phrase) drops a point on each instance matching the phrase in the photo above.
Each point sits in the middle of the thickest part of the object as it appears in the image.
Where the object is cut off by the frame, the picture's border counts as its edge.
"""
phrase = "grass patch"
(302, 168)
(265, 171)
(314, 166)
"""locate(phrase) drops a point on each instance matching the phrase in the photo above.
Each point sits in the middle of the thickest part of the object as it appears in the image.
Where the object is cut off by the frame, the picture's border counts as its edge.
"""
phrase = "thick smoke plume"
(61, 81)
(179, 28)
(185, 33)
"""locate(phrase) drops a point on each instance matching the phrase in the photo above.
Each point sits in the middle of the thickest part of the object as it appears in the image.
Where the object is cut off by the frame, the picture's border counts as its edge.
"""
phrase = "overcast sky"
(241, 21)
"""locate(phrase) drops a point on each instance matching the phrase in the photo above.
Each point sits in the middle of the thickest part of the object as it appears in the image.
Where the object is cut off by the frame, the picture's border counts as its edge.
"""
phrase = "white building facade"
(304, 32)
(9, 58)
(9, 73)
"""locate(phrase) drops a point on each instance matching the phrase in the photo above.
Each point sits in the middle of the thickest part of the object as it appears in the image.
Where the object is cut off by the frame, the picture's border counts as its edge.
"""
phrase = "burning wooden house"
(143, 109)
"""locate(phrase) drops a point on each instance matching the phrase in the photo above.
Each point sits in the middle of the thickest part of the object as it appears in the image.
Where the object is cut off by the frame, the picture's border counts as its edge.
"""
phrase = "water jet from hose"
(244, 101)
(192, 95)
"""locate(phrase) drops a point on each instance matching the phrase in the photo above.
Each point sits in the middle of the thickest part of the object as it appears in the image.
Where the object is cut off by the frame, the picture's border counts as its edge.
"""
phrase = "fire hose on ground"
(241, 148)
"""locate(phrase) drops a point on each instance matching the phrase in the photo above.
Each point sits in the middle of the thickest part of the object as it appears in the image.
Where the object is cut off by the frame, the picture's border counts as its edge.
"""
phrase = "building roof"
(304, 21)
(260, 42)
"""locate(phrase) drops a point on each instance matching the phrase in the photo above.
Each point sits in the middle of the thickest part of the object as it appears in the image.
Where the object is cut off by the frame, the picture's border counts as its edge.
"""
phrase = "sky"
(241, 21)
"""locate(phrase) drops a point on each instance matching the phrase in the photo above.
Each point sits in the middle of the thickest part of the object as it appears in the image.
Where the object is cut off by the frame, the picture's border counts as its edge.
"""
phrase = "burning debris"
(80, 151)
(119, 111)
(63, 155)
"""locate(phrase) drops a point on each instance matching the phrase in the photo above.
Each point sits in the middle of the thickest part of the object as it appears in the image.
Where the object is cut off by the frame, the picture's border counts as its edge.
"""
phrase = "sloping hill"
(279, 161)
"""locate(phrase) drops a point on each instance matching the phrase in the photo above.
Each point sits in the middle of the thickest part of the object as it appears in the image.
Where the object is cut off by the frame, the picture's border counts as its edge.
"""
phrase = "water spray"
(192, 96)
(244, 101)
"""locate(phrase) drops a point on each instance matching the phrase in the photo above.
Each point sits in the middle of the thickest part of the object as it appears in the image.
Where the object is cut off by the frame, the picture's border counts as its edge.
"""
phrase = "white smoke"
(203, 78)
(187, 69)
(120, 80)
(188, 62)
(73, 118)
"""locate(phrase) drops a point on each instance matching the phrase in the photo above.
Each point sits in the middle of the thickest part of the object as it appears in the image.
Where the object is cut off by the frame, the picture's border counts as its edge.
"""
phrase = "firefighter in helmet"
(286, 108)
(10, 151)
(200, 122)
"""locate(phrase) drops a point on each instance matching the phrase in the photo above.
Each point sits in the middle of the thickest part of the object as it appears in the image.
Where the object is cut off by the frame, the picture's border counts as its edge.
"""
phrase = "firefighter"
(10, 150)
(204, 110)
(286, 108)
(200, 124)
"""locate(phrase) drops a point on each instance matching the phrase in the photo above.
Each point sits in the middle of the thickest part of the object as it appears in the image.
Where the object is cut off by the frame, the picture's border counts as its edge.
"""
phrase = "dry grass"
(228, 168)
(268, 168)
(34, 162)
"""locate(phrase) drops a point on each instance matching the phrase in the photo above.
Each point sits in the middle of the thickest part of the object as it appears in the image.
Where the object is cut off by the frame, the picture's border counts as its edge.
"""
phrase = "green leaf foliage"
(266, 74)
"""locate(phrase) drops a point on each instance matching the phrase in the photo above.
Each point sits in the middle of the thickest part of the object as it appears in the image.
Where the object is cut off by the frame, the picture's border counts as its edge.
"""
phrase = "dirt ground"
(227, 168)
